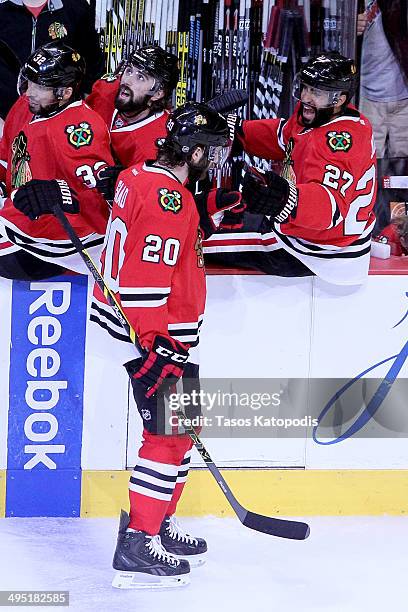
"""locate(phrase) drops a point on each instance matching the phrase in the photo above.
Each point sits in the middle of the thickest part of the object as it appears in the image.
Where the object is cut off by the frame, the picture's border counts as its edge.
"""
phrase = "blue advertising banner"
(48, 328)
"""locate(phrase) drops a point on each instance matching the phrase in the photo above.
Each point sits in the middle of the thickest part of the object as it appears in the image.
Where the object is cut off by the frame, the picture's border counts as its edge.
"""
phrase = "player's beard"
(310, 116)
(198, 170)
(131, 105)
(42, 110)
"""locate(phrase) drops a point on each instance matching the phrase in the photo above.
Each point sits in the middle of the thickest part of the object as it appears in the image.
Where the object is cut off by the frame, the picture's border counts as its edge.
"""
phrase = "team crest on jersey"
(170, 201)
(146, 414)
(57, 30)
(339, 141)
(79, 135)
(20, 167)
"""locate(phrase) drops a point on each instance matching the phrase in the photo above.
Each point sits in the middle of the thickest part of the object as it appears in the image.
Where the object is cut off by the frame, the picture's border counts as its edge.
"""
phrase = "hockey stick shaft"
(272, 526)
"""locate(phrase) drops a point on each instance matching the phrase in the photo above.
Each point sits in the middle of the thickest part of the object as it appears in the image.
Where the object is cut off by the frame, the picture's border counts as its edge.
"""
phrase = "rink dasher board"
(110, 431)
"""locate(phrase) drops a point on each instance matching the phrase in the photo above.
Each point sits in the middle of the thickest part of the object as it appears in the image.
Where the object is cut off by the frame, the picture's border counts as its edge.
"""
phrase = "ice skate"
(180, 544)
(143, 563)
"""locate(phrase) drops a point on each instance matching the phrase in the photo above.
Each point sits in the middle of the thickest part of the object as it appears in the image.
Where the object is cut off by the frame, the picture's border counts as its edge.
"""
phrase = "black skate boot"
(143, 563)
(181, 544)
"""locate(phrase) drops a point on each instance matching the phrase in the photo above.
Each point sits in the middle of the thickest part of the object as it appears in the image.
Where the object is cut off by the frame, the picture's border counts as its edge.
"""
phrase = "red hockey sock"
(154, 480)
(181, 481)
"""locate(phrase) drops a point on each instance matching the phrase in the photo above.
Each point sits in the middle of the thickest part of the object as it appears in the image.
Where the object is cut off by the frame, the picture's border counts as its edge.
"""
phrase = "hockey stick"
(293, 530)
(228, 100)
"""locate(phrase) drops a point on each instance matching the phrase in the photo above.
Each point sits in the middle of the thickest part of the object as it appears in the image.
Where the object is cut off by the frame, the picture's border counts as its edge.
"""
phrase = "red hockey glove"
(165, 361)
(233, 220)
(38, 197)
(267, 193)
(212, 206)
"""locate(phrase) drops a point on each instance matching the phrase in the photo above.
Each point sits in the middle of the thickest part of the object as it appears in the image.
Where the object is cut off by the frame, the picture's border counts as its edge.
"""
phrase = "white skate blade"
(194, 560)
(140, 580)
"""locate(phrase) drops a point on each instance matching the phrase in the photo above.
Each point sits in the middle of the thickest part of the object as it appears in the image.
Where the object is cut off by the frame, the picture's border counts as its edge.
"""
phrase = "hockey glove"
(269, 194)
(235, 125)
(212, 206)
(233, 220)
(37, 198)
(165, 361)
(106, 181)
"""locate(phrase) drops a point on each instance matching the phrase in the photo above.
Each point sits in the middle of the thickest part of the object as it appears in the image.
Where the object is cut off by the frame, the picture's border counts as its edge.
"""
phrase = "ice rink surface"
(347, 565)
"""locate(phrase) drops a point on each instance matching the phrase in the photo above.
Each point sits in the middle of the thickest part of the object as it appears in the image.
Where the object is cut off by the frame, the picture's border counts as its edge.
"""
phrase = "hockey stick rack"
(293, 530)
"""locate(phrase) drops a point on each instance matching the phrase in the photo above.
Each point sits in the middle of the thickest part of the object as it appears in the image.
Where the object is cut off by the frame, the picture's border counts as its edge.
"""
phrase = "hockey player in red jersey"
(135, 106)
(52, 149)
(153, 261)
(317, 217)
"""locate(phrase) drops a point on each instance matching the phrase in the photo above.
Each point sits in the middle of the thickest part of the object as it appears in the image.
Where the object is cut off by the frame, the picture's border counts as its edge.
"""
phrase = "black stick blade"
(229, 100)
(281, 528)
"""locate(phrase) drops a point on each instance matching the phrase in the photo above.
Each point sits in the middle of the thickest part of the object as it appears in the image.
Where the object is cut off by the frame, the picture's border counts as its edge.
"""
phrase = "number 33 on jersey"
(152, 257)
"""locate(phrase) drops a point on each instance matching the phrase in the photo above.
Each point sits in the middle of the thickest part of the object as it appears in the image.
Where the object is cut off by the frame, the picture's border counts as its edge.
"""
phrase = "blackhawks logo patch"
(79, 135)
(20, 158)
(57, 30)
(339, 141)
(170, 201)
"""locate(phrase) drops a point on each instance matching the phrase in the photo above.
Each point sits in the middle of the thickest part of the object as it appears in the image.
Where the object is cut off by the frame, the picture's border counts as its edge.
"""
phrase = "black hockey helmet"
(328, 72)
(195, 123)
(158, 63)
(53, 65)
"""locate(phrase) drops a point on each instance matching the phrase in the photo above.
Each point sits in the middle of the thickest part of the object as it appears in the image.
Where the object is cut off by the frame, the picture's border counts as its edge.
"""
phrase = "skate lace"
(156, 549)
(176, 532)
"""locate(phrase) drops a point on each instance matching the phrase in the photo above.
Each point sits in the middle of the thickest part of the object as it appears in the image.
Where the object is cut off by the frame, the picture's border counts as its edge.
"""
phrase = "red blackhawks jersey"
(131, 143)
(152, 259)
(72, 144)
(334, 168)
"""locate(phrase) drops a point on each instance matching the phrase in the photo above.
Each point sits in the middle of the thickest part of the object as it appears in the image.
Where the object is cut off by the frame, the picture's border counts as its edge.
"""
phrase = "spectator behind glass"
(26, 25)
(384, 75)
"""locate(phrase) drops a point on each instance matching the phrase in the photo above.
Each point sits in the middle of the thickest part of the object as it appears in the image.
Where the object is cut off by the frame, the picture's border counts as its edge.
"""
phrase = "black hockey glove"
(165, 361)
(269, 194)
(106, 181)
(37, 198)
(213, 205)
(233, 220)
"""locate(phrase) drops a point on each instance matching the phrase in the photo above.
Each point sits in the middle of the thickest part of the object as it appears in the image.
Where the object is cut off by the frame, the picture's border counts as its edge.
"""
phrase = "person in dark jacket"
(26, 25)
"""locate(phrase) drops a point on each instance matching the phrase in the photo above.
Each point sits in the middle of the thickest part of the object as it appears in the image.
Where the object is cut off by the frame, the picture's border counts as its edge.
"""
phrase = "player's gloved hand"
(233, 220)
(165, 361)
(212, 206)
(106, 181)
(267, 193)
(235, 125)
(38, 197)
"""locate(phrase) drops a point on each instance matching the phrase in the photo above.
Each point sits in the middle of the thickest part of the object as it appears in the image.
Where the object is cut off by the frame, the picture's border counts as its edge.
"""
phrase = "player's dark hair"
(169, 153)
(164, 103)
